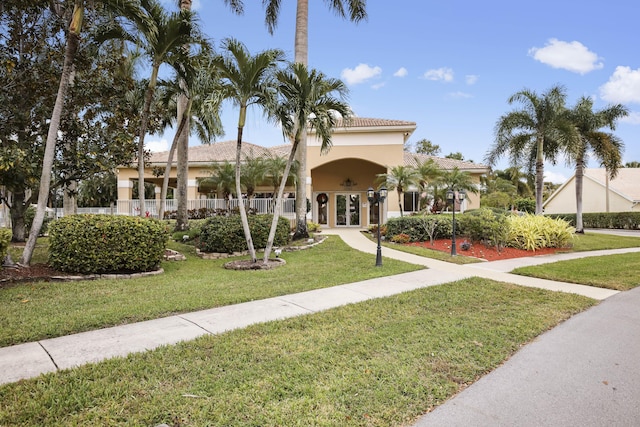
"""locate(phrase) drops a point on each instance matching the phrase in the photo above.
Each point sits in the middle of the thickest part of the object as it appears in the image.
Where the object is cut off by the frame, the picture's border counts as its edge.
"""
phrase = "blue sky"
(451, 65)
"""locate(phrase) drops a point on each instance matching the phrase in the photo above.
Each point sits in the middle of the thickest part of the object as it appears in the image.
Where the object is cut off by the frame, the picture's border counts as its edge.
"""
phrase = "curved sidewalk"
(31, 359)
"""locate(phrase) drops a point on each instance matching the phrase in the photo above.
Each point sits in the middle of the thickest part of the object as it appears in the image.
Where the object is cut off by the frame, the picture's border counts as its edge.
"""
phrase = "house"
(337, 181)
(599, 194)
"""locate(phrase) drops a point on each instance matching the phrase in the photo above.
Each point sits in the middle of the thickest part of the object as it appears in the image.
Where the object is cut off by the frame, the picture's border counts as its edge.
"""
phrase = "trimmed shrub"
(484, 225)
(611, 220)
(400, 238)
(5, 240)
(106, 244)
(224, 234)
(531, 232)
(421, 227)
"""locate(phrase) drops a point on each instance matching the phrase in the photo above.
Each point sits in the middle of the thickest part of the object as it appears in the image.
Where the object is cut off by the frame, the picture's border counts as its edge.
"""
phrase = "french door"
(348, 210)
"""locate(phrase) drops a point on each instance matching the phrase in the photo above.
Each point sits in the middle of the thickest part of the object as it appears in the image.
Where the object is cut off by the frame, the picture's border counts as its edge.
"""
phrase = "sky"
(450, 65)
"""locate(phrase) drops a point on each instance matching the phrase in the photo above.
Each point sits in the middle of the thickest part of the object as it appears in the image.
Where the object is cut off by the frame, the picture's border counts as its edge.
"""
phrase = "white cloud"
(554, 177)
(572, 56)
(440, 74)
(157, 146)
(633, 118)
(471, 79)
(460, 95)
(623, 86)
(378, 85)
(402, 72)
(360, 74)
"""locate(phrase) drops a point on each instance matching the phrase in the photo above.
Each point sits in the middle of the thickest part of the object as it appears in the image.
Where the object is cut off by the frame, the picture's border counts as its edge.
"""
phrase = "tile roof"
(217, 152)
(444, 163)
(371, 122)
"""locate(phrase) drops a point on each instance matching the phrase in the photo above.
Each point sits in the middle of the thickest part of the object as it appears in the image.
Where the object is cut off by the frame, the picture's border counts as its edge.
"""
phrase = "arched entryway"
(339, 193)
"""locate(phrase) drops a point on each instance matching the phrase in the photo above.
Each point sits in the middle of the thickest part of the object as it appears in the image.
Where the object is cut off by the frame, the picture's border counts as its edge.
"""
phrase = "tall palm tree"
(399, 178)
(428, 172)
(126, 8)
(246, 81)
(308, 99)
(533, 132)
(603, 145)
(163, 41)
(200, 116)
(355, 11)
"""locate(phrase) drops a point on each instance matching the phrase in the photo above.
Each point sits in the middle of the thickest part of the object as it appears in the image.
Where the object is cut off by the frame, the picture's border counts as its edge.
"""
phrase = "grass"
(598, 241)
(34, 311)
(618, 272)
(377, 363)
(432, 253)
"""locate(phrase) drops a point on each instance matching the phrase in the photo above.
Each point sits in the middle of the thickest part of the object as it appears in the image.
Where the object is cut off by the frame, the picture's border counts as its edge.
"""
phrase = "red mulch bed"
(479, 250)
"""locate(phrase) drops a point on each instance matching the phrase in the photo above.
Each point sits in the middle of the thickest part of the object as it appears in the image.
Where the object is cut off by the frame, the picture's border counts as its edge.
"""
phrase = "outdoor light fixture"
(454, 196)
(377, 198)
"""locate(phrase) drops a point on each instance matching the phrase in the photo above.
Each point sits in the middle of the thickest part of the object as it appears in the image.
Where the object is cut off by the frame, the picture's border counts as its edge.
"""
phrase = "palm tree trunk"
(539, 176)
(578, 183)
(167, 169)
(276, 209)
(301, 48)
(148, 97)
(182, 218)
(73, 39)
(241, 206)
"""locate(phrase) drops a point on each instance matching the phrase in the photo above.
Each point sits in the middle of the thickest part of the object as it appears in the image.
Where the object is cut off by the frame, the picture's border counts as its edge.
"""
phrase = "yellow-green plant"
(531, 232)
(5, 239)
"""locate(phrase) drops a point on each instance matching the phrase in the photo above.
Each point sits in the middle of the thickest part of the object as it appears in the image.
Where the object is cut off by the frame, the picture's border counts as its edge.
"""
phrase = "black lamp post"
(377, 197)
(452, 197)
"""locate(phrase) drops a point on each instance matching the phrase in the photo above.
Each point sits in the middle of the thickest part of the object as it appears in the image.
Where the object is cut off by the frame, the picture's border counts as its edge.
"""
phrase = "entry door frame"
(349, 207)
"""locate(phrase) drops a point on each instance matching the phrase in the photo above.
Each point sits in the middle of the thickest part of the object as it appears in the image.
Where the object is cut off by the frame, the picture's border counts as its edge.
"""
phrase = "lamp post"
(452, 197)
(377, 197)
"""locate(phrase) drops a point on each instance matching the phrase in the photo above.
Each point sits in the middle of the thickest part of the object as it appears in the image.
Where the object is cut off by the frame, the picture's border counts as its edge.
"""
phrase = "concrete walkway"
(32, 359)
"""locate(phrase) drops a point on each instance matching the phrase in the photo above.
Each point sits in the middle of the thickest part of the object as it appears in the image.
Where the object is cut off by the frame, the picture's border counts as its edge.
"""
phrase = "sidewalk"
(31, 359)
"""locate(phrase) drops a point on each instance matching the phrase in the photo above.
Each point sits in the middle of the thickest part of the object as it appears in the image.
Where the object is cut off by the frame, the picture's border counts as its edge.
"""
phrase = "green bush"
(224, 234)
(5, 240)
(610, 220)
(30, 214)
(525, 205)
(488, 226)
(531, 232)
(193, 233)
(106, 243)
(420, 227)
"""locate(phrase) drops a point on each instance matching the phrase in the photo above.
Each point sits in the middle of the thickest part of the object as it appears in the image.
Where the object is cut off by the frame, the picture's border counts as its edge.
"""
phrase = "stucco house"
(337, 181)
(599, 194)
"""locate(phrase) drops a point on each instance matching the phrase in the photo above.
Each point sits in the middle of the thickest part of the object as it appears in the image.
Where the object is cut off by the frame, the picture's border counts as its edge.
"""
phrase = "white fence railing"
(132, 208)
(151, 206)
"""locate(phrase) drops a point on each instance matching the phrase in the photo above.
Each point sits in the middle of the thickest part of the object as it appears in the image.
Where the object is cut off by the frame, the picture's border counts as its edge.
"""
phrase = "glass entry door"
(348, 210)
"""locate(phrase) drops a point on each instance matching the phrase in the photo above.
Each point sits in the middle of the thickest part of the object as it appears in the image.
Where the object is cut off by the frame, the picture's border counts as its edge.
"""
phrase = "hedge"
(224, 234)
(106, 243)
(420, 227)
(5, 240)
(611, 220)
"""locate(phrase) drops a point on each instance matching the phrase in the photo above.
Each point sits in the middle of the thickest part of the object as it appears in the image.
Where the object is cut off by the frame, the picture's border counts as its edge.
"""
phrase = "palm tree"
(399, 178)
(355, 10)
(455, 179)
(126, 8)
(604, 146)
(254, 171)
(307, 99)
(533, 132)
(182, 135)
(200, 116)
(632, 164)
(428, 172)
(246, 80)
(276, 166)
(223, 179)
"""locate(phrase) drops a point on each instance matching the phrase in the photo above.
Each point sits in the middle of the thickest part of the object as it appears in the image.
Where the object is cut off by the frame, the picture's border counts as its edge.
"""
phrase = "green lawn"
(382, 362)
(35, 311)
(619, 272)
